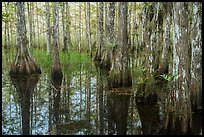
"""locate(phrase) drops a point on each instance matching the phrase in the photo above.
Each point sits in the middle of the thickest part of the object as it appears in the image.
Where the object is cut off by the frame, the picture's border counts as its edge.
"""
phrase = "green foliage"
(139, 71)
(8, 15)
(42, 58)
(143, 80)
(74, 61)
(74, 58)
(5, 16)
(70, 61)
(168, 77)
(141, 94)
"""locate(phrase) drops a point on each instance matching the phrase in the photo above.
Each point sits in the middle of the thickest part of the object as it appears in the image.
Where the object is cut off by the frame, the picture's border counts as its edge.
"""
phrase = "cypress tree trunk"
(56, 72)
(180, 121)
(80, 29)
(99, 33)
(164, 62)
(24, 64)
(152, 18)
(120, 75)
(33, 27)
(5, 30)
(106, 58)
(196, 54)
(30, 22)
(63, 28)
(66, 21)
(68, 26)
(89, 27)
(145, 37)
(48, 35)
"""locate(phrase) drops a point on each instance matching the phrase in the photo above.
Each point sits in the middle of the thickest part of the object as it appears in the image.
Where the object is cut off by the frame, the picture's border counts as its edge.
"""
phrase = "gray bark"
(24, 64)
(181, 93)
(99, 43)
(120, 73)
(89, 28)
(56, 68)
(196, 54)
(47, 7)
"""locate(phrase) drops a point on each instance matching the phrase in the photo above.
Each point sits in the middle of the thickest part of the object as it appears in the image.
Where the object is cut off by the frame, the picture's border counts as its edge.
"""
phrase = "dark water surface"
(81, 104)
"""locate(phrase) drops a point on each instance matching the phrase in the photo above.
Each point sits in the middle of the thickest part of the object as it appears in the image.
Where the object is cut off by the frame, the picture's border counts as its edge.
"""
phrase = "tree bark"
(89, 27)
(106, 58)
(5, 30)
(24, 63)
(145, 37)
(30, 22)
(166, 52)
(64, 47)
(56, 72)
(66, 21)
(180, 105)
(196, 54)
(99, 42)
(38, 32)
(80, 29)
(47, 6)
(120, 75)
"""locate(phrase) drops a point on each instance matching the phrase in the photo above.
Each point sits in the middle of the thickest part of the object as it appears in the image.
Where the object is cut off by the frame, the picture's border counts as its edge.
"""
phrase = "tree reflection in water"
(25, 87)
(56, 90)
(150, 119)
(88, 108)
(118, 103)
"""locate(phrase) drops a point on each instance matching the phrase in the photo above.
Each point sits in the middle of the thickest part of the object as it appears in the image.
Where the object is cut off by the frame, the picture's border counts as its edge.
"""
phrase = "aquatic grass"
(42, 58)
(70, 61)
(64, 58)
(71, 57)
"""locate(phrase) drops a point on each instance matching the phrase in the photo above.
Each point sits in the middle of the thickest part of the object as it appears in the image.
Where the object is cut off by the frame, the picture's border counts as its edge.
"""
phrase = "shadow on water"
(60, 109)
(179, 119)
(56, 92)
(150, 119)
(25, 87)
(165, 111)
(117, 105)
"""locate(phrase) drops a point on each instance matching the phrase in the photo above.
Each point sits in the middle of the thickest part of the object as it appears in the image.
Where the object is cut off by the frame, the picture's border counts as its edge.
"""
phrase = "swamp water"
(80, 104)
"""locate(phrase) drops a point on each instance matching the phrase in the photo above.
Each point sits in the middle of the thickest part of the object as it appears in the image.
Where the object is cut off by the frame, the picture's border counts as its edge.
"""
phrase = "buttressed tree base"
(24, 65)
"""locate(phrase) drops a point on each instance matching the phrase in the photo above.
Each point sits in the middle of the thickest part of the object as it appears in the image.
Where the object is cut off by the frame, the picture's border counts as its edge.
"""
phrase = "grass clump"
(70, 61)
(42, 58)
